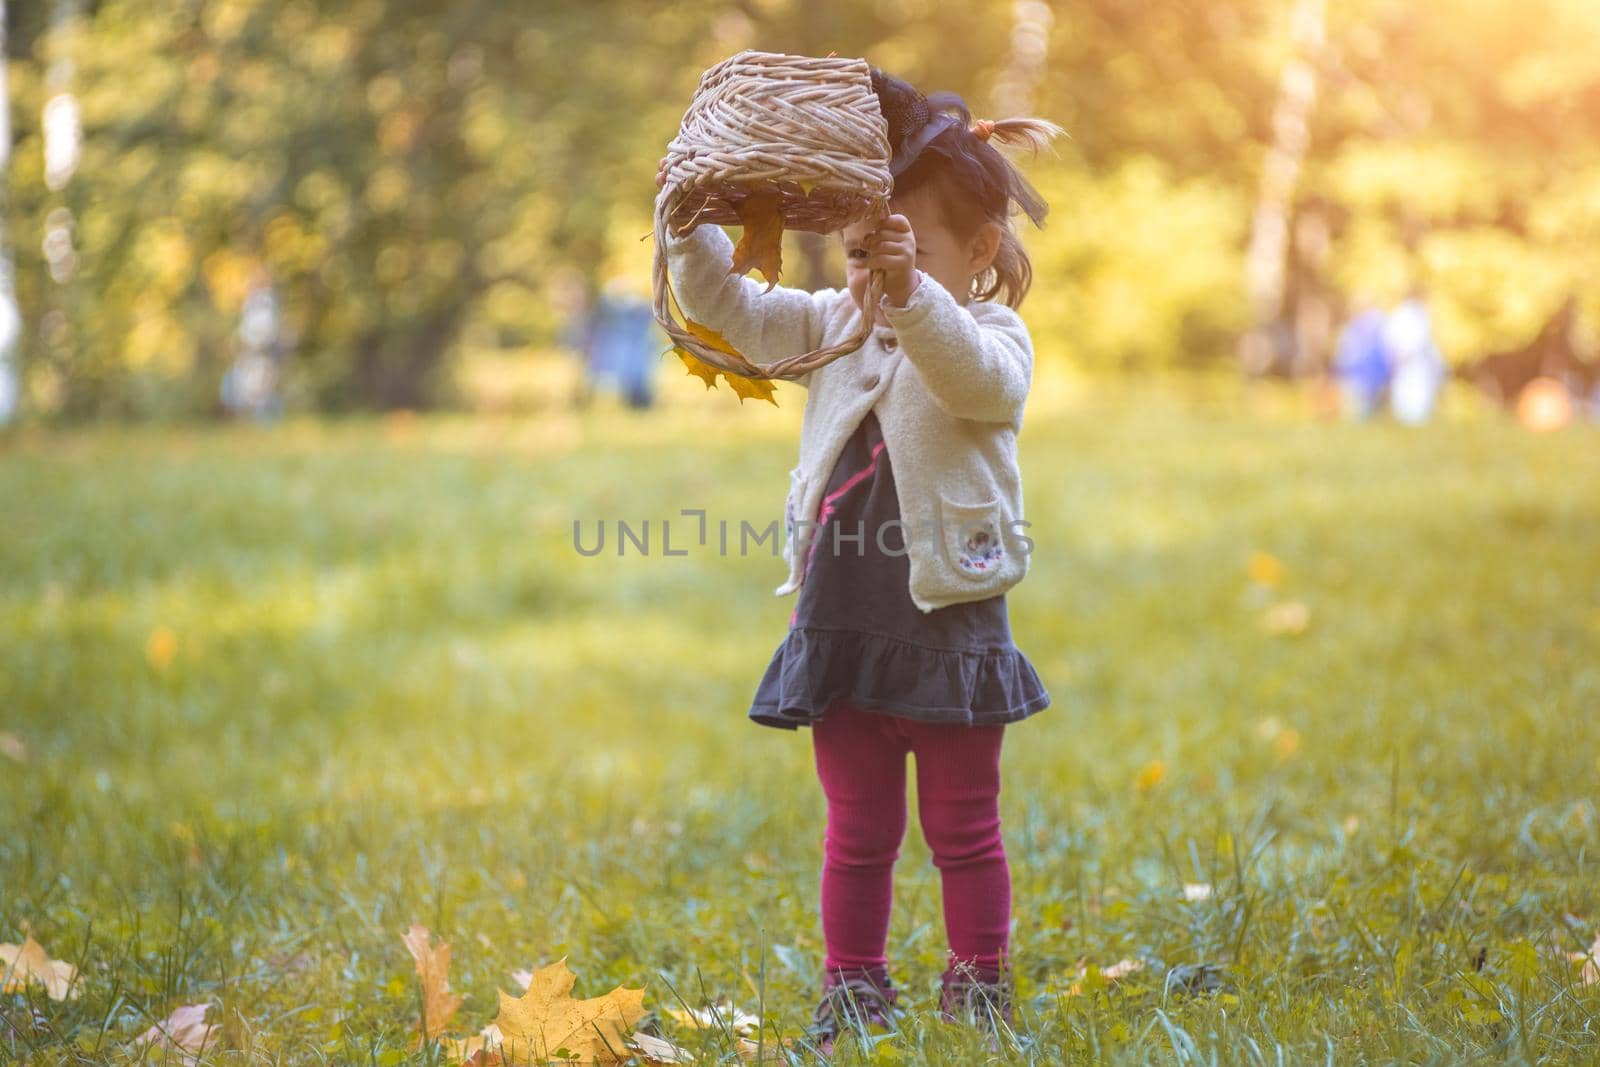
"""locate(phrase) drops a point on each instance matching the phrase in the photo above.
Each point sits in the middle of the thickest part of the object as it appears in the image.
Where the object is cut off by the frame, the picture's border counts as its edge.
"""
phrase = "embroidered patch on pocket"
(972, 537)
(980, 548)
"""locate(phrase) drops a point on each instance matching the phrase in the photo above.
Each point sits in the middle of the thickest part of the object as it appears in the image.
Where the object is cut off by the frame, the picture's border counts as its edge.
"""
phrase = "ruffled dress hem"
(815, 666)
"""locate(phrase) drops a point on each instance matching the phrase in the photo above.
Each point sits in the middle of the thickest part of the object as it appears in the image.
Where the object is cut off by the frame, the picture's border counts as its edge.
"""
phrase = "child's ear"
(985, 245)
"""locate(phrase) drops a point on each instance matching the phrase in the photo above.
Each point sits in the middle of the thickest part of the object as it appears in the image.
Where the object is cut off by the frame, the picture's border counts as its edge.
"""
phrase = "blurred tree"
(1457, 149)
(411, 177)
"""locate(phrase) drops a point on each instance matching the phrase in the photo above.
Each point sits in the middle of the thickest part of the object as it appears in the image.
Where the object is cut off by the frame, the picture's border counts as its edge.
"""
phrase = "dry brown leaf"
(653, 1049)
(761, 244)
(433, 966)
(547, 1019)
(28, 962)
(184, 1032)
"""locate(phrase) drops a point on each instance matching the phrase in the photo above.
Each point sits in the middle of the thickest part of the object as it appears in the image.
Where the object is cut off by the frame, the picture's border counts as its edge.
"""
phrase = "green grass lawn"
(275, 695)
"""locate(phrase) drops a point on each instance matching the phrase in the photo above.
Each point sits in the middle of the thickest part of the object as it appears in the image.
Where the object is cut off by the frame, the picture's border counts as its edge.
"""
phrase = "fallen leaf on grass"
(1287, 618)
(184, 1032)
(721, 1015)
(1590, 973)
(1198, 978)
(653, 1049)
(548, 1019)
(28, 962)
(433, 966)
(762, 1053)
(761, 244)
(12, 747)
(480, 1050)
(1114, 973)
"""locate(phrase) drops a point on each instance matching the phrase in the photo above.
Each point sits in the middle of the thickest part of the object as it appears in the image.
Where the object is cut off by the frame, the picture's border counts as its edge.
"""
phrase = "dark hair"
(936, 151)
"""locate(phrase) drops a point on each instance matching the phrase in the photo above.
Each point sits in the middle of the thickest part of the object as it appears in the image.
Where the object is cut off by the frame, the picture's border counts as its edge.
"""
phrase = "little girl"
(900, 641)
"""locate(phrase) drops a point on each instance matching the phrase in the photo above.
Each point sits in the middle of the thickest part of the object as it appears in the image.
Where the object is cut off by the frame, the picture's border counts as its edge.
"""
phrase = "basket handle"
(788, 368)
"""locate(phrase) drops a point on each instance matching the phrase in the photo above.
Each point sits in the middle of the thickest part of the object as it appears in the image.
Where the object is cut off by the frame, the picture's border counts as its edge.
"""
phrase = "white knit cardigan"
(948, 383)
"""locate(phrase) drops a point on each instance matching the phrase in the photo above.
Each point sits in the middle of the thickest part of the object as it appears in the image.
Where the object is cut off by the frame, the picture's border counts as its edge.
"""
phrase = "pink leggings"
(861, 760)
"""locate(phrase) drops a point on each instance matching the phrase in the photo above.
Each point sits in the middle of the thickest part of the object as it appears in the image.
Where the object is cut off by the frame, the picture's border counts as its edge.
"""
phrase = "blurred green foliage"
(420, 181)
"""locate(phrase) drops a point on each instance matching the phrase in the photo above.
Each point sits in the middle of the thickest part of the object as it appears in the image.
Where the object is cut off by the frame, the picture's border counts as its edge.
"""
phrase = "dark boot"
(856, 999)
(979, 996)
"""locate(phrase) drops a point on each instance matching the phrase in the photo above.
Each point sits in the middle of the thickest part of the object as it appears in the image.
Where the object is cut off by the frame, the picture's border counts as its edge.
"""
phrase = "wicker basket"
(761, 123)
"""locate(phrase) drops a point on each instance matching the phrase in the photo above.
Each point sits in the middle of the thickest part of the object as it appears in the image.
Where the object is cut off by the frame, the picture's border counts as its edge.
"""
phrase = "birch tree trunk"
(10, 317)
(1025, 64)
(1266, 261)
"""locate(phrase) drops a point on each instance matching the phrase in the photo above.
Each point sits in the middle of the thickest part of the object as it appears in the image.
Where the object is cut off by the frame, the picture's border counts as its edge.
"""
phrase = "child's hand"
(661, 173)
(892, 248)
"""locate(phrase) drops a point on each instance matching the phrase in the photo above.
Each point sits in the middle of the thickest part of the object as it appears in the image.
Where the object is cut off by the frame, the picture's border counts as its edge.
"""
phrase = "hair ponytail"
(938, 147)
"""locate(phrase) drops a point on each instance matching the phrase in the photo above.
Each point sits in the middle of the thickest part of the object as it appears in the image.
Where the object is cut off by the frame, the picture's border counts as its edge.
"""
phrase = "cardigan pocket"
(970, 534)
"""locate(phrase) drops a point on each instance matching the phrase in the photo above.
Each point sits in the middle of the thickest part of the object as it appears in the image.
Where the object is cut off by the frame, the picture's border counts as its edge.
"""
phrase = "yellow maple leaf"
(761, 244)
(28, 962)
(547, 1019)
(711, 338)
(758, 388)
(697, 366)
(433, 966)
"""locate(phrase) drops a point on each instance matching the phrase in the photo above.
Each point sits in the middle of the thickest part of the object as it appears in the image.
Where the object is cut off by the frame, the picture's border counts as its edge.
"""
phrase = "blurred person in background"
(1363, 362)
(250, 387)
(620, 342)
(1419, 368)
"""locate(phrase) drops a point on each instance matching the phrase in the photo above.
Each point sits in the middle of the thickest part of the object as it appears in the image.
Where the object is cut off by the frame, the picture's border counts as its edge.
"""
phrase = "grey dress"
(856, 634)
